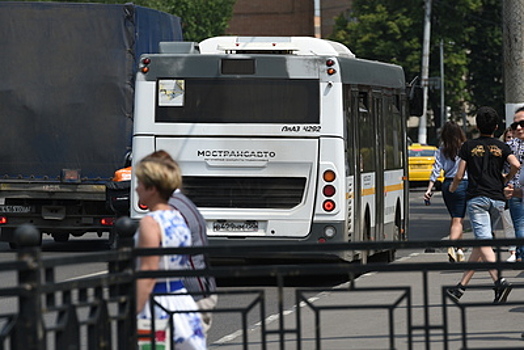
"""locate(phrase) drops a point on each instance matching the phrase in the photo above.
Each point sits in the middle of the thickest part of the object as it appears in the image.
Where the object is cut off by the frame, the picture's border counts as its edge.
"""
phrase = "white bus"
(280, 139)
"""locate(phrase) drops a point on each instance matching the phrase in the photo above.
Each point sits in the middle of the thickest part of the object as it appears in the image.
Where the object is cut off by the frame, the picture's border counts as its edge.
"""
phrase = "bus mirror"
(415, 96)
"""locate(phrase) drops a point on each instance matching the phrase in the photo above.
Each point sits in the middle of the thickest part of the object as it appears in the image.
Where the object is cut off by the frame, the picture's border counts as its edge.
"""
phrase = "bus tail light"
(330, 63)
(143, 206)
(329, 190)
(144, 63)
(3, 220)
(329, 176)
(328, 205)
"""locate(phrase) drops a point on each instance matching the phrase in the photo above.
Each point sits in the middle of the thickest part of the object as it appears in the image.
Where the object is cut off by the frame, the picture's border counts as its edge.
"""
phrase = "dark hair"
(452, 137)
(487, 120)
(518, 110)
(506, 132)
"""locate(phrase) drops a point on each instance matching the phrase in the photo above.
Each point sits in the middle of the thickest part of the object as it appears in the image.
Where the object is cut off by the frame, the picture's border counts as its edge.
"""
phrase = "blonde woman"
(165, 227)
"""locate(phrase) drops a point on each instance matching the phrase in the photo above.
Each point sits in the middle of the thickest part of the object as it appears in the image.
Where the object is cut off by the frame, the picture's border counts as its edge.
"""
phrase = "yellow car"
(421, 159)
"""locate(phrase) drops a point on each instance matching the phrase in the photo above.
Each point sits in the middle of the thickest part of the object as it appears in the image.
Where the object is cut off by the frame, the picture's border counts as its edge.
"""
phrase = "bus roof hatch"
(295, 45)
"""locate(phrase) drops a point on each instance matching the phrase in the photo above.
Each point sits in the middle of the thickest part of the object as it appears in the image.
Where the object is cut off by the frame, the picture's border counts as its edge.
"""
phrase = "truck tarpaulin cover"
(67, 84)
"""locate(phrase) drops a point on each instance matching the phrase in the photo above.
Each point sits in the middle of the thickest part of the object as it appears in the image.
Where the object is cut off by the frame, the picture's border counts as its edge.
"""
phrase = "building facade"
(329, 10)
(273, 18)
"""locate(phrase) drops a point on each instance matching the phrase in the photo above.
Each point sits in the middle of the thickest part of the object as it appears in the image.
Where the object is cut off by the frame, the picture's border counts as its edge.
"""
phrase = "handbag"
(162, 334)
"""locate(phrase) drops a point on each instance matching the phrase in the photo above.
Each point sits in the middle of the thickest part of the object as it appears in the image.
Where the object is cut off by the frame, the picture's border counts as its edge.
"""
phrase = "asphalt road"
(426, 223)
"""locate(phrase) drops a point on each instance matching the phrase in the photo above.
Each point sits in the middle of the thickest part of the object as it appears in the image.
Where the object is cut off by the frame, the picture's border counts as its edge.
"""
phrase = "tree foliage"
(471, 33)
(201, 19)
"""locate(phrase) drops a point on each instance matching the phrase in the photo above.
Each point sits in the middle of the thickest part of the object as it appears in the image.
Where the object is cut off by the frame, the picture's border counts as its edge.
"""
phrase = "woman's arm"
(435, 172)
(458, 177)
(515, 166)
(148, 237)
(427, 195)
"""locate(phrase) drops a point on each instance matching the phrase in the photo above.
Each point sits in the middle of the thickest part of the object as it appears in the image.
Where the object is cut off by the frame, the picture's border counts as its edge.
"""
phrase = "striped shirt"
(517, 148)
(450, 166)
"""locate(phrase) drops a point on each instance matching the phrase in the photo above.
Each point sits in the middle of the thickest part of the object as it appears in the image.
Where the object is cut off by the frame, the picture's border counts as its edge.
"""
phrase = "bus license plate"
(235, 226)
(22, 209)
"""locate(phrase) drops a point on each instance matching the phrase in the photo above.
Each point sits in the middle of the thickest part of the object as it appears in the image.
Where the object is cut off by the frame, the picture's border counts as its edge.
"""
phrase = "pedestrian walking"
(451, 139)
(516, 206)
(484, 159)
(202, 287)
(507, 221)
(165, 227)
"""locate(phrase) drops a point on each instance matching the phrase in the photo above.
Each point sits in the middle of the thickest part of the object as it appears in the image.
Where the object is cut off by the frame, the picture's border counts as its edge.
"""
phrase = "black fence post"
(127, 337)
(30, 333)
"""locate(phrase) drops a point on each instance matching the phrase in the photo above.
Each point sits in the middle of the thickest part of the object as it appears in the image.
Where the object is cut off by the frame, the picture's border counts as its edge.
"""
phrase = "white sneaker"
(512, 258)
(460, 255)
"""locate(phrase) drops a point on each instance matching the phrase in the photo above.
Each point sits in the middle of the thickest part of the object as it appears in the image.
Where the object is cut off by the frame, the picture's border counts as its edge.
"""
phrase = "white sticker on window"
(171, 93)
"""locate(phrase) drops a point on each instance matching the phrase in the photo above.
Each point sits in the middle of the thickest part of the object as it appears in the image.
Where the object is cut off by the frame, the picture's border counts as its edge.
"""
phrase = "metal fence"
(51, 311)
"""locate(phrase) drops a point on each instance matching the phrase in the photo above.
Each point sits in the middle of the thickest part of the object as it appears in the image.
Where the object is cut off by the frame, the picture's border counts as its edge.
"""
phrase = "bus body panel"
(248, 158)
(394, 197)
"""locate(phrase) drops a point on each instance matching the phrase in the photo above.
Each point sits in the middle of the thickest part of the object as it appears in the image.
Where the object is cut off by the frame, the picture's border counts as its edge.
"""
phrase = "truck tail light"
(107, 221)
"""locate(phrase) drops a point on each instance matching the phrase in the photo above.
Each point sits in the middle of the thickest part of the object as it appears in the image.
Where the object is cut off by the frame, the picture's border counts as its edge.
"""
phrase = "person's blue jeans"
(482, 211)
(516, 209)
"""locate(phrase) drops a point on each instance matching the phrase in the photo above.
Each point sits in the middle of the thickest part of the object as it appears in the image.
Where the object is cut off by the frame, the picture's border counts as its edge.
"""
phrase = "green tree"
(391, 31)
(485, 78)
(201, 19)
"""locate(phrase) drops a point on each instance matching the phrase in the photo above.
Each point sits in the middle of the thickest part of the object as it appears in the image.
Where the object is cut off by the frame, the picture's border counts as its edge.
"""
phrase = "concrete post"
(127, 337)
(29, 333)
(422, 128)
(513, 47)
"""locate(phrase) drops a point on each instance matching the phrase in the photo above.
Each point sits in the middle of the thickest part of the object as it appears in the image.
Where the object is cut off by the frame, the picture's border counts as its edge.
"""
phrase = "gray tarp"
(67, 84)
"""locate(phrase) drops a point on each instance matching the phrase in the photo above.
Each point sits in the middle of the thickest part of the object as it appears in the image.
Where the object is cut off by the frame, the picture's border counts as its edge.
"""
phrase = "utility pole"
(442, 99)
(422, 127)
(513, 44)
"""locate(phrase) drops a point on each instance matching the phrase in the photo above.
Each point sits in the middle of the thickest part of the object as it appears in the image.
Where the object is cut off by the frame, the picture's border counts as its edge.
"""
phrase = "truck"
(66, 109)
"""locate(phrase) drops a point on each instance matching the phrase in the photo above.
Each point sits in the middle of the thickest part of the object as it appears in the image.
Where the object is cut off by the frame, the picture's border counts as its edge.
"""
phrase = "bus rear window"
(238, 101)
